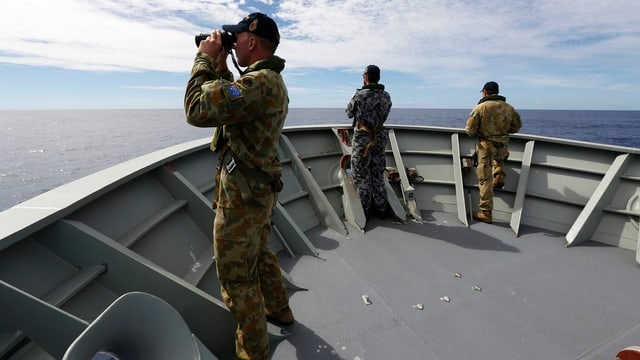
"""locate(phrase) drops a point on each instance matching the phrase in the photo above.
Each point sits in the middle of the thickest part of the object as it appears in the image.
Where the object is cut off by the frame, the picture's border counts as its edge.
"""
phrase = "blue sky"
(546, 54)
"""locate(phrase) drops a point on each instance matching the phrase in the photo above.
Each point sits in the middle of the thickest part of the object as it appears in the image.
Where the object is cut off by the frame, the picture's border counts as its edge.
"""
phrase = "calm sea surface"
(41, 150)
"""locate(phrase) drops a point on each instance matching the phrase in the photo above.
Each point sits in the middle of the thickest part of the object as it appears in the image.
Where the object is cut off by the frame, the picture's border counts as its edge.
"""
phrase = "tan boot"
(283, 316)
(498, 181)
(484, 216)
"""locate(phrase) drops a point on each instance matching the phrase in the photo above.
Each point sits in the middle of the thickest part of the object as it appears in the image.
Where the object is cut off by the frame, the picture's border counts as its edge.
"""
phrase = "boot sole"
(278, 322)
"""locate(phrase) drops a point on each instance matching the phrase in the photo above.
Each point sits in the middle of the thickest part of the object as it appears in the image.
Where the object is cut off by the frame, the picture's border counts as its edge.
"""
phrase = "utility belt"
(496, 144)
(363, 127)
(241, 172)
(374, 135)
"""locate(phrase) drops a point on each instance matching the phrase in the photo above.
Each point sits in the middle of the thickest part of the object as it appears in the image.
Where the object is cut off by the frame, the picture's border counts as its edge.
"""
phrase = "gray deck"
(538, 299)
(146, 224)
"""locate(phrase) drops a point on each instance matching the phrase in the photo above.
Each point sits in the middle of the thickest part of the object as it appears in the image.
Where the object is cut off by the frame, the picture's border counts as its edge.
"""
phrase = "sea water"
(43, 149)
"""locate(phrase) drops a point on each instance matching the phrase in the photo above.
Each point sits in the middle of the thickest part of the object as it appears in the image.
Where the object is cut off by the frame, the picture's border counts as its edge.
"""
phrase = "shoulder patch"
(233, 92)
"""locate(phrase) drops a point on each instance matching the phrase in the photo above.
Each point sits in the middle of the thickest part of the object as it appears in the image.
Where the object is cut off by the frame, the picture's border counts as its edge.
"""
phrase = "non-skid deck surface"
(534, 298)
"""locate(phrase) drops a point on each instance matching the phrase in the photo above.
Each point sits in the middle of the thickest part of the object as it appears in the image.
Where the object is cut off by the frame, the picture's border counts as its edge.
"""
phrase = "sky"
(126, 54)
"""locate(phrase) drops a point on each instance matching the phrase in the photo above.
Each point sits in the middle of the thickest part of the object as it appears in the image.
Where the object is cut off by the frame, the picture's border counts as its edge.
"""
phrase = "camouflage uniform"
(370, 108)
(492, 120)
(249, 114)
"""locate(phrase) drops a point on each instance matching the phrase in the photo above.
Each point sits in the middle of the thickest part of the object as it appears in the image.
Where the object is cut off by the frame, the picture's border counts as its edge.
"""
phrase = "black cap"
(373, 72)
(258, 24)
(491, 87)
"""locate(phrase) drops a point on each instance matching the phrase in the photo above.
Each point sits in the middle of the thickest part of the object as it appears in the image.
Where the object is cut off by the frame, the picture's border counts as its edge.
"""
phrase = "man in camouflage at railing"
(492, 120)
(248, 115)
(370, 108)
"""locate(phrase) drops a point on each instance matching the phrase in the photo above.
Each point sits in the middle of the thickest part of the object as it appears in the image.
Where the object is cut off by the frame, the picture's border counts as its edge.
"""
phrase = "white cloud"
(455, 42)
(105, 35)
(445, 41)
(157, 88)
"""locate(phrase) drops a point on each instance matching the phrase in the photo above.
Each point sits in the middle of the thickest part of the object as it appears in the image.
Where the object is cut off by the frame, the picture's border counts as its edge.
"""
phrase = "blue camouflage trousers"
(249, 274)
(368, 175)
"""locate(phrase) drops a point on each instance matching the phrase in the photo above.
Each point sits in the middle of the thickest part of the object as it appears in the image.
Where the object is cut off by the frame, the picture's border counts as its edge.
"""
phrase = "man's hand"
(212, 45)
(221, 61)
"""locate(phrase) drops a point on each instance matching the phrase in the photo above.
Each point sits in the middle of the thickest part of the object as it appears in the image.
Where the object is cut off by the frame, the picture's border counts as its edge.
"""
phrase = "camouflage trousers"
(368, 176)
(490, 163)
(249, 274)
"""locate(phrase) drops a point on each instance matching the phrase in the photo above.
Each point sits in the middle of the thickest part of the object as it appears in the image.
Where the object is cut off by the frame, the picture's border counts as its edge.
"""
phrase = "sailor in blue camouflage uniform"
(370, 108)
(248, 114)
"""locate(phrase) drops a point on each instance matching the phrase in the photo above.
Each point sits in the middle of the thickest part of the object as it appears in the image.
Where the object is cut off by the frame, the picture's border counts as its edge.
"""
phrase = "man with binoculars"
(248, 115)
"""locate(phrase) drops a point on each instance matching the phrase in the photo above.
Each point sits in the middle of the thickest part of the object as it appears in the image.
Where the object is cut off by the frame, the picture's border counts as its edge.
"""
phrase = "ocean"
(43, 149)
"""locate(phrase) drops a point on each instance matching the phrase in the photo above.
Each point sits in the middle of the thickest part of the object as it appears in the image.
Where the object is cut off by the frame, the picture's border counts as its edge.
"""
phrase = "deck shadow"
(448, 229)
(308, 345)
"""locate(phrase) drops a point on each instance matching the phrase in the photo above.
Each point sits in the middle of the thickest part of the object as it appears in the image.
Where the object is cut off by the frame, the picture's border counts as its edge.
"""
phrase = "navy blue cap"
(258, 24)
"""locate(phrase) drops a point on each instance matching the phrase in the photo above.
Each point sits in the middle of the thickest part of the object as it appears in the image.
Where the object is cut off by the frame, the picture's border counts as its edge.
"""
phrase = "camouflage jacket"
(493, 119)
(250, 111)
(370, 107)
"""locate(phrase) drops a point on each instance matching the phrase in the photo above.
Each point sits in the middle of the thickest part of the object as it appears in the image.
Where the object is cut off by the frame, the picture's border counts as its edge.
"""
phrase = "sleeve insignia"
(233, 91)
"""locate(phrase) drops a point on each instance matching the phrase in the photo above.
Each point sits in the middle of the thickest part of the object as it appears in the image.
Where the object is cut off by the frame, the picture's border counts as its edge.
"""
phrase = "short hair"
(267, 44)
(373, 73)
